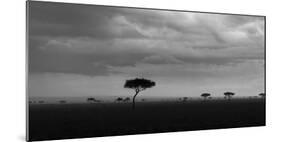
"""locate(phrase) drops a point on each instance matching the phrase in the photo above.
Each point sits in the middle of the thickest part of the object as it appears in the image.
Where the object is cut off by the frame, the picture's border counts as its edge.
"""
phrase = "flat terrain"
(61, 121)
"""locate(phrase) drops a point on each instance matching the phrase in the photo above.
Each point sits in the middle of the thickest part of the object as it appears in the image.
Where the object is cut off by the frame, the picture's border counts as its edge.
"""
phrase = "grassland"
(61, 121)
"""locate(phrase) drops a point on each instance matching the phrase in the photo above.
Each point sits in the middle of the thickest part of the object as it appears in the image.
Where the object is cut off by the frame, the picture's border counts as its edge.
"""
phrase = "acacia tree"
(184, 99)
(119, 99)
(205, 95)
(126, 99)
(228, 95)
(92, 100)
(262, 95)
(138, 84)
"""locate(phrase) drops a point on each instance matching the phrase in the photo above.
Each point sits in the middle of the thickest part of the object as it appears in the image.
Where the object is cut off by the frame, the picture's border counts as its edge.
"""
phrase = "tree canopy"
(229, 93)
(262, 94)
(139, 84)
(205, 94)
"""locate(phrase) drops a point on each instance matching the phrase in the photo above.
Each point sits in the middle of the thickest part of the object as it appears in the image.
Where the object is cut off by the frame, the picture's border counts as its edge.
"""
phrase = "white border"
(12, 102)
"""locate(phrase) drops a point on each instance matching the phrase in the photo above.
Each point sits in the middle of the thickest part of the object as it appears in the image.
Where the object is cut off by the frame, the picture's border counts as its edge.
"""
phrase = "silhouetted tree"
(262, 95)
(119, 99)
(138, 84)
(184, 99)
(228, 95)
(127, 99)
(92, 100)
(205, 95)
(62, 101)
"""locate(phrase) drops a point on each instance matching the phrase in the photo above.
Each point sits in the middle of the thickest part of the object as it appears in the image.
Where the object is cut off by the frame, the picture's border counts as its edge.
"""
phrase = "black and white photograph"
(98, 70)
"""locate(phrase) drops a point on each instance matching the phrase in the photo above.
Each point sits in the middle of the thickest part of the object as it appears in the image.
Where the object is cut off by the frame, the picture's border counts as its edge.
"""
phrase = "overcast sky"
(78, 50)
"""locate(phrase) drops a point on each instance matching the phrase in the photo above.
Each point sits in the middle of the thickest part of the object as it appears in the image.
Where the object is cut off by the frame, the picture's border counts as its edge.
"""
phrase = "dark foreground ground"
(62, 121)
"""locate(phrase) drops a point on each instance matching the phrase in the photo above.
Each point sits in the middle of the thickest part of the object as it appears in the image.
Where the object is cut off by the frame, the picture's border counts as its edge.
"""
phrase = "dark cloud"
(91, 40)
(68, 20)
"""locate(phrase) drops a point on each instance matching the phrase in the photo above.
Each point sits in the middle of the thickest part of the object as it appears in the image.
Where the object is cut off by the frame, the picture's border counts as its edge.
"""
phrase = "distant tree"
(262, 95)
(138, 84)
(41, 102)
(205, 95)
(119, 99)
(228, 95)
(127, 99)
(92, 100)
(62, 101)
(184, 99)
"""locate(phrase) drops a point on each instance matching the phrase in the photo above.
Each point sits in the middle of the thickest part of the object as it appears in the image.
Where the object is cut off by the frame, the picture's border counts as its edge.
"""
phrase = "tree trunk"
(134, 99)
